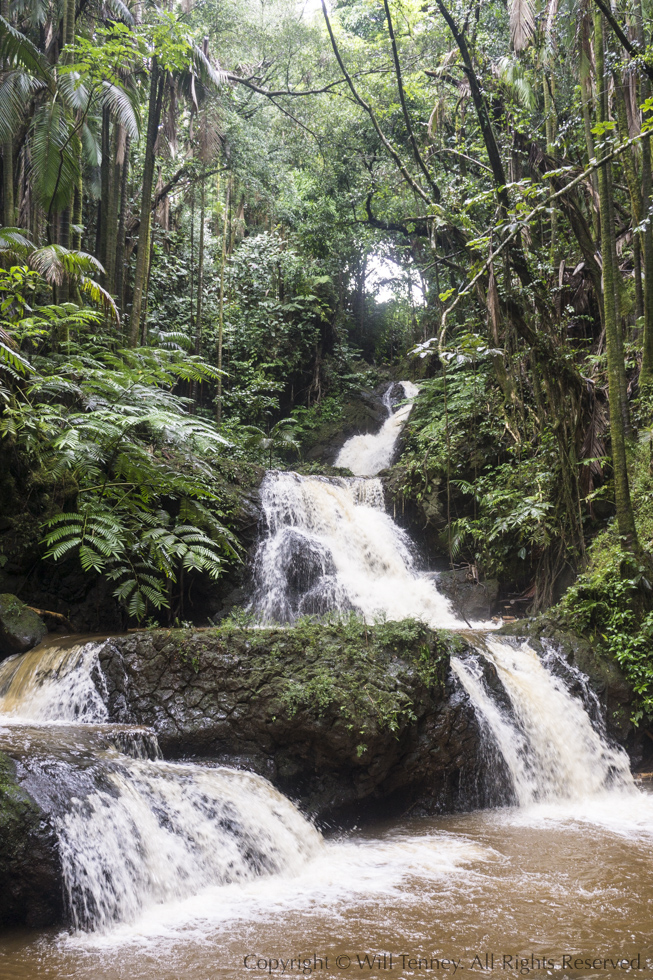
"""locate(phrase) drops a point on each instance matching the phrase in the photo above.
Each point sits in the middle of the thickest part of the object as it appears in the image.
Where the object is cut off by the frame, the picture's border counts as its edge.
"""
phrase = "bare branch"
(368, 109)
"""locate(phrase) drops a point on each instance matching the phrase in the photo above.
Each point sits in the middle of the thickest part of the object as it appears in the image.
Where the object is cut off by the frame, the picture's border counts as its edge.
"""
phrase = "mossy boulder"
(349, 720)
(30, 873)
(20, 627)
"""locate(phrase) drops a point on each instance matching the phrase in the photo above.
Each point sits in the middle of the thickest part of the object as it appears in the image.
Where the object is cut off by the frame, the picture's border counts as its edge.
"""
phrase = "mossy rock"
(30, 874)
(20, 627)
(346, 718)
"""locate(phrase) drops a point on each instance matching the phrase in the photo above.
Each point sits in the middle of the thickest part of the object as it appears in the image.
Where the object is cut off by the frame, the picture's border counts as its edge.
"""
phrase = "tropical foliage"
(218, 217)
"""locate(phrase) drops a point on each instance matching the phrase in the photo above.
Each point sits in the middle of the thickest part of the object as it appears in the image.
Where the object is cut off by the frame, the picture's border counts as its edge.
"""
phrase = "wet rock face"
(20, 627)
(362, 412)
(41, 769)
(30, 872)
(281, 713)
(474, 600)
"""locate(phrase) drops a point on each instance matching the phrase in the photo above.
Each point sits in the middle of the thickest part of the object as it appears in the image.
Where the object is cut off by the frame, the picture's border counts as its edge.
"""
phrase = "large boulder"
(20, 627)
(42, 769)
(474, 599)
(345, 720)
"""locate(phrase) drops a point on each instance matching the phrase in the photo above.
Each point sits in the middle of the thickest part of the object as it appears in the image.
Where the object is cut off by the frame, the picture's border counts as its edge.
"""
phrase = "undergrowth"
(359, 671)
(611, 602)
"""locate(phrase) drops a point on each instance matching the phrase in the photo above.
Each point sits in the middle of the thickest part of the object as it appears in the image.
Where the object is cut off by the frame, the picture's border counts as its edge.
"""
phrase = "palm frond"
(121, 107)
(522, 23)
(16, 49)
(16, 91)
(54, 166)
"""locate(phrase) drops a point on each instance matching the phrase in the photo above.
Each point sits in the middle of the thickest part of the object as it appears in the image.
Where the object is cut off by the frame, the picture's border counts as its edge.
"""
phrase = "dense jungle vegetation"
(199, 201)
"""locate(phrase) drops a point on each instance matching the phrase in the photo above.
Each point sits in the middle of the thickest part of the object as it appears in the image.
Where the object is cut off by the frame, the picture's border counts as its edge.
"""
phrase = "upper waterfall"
(367, 455)
(329, 545)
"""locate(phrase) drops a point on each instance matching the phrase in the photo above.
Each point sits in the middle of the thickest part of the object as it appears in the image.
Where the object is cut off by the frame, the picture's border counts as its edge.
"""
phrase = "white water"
(141, 833)
(551, 748)
(160, 832)
(367, 455)
(53, 684)
(331, 547)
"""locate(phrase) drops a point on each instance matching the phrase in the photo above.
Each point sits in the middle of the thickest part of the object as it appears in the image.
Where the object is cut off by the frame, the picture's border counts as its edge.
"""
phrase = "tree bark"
(625, 516)
(142, 257)
(118, 156)
(223, 261)
(120, 237)
(200, 281)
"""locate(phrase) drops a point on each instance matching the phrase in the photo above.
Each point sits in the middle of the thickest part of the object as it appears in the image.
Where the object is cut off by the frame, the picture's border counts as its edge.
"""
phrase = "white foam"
(367, 455)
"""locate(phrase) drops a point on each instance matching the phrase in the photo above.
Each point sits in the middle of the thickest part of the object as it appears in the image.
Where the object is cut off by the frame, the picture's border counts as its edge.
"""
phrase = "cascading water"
(367, 455)
(135, 831)
(329, 545)
(550, 746)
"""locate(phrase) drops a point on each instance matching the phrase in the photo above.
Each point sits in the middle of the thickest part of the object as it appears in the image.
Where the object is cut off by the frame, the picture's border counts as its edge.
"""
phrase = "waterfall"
(53, 683)
(367, 455)
(329, 545)
(135, 831)
(155, 832)
(551, 748)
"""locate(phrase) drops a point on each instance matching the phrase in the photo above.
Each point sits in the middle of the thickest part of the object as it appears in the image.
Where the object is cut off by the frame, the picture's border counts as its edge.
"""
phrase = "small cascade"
(155, 832)
(53, 683)
(134, 831)
(551, 749)
(367, 455)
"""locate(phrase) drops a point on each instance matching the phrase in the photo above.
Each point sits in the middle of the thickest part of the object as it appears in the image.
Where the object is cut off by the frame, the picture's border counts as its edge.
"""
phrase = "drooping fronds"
(522, 23)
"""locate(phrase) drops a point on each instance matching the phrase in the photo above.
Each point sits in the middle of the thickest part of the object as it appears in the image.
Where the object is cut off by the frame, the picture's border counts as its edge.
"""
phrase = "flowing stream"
(178, 871)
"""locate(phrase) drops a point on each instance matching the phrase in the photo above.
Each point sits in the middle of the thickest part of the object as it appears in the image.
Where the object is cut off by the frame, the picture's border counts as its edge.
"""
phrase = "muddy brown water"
(548, 891)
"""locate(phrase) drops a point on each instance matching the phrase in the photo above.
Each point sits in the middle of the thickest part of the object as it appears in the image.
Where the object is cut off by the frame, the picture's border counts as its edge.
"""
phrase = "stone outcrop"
(473, 599)
(20, 627)
(361, 412)
(345, 721)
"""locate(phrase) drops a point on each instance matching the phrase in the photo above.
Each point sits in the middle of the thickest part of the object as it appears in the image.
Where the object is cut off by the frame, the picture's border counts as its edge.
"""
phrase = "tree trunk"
(549, 123)
(200, 279)
(105, 187)
(118, 156)
(223, 261)
(140, 274)
(625, 516)
(120, 238)
(9, 211)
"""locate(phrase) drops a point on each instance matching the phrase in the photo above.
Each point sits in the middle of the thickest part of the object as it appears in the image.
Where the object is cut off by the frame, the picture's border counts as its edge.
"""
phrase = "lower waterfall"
(154, 832)
(135, 831)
